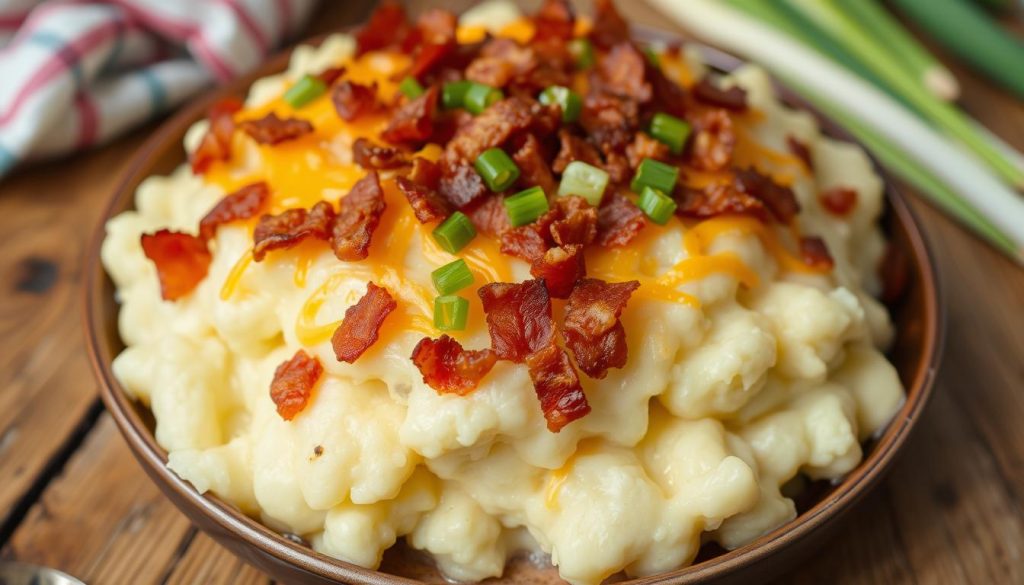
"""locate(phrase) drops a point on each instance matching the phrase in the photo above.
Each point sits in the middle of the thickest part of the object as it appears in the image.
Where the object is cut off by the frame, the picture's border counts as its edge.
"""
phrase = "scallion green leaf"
(304, 91)
(496, 169)
(583, 53)
(411, 88)
(451, 313)
(455, 232)
(656, 174)
(526, 206)
(479, 97)
(656, 205)
(453, 94)
(671, 131)
(452, 277)
(566, 99)
(589, 182)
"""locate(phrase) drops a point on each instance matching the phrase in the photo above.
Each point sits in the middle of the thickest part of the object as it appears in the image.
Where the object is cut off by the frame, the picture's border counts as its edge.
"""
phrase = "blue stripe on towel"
(66, 53)
(7, 160)
(157, 92)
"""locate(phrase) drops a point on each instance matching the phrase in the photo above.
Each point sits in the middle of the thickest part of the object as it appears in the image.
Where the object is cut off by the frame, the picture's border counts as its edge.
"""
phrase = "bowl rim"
(849, 490)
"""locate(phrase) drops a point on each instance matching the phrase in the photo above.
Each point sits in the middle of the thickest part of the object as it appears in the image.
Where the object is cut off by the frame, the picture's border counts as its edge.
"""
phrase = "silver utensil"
(14, 573)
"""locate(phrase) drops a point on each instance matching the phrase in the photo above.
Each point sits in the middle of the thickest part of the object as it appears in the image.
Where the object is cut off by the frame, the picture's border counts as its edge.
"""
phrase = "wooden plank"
(102, 520)
(207, 562)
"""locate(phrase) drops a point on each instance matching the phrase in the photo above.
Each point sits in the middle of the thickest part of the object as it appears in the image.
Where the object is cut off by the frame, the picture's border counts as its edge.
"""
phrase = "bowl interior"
(914, 354)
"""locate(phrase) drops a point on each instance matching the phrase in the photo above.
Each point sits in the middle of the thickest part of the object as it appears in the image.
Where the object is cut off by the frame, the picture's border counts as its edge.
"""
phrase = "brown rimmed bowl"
(915, 354)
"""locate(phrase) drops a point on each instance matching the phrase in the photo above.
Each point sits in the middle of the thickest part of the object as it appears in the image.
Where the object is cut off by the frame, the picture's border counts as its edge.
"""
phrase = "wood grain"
(72, 497)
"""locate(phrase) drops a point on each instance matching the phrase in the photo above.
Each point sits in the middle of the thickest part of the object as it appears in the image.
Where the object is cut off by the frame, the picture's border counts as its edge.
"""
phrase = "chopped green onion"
(583, 53)
(670, 130)
(652, 173)
(304, 91)
(453, 95)
(652, 57)
(587, 181)
(455, 232)
(526, 206)
(479, 97)
(450, 313)
(452, 277)
(496, 169)
(566, 99)
(411, 88)
(658, 206)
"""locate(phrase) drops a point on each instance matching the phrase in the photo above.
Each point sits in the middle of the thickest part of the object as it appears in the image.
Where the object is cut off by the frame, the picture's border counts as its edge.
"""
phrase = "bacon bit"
(815, 253)
(353, 100)
(426, 204)
(713, 141)
(669, 97)
(801, 151)
(560, 268)
(450, 369)
(734, 98)
(839, 200)
(460, 185)
(719, 199)
(574, 148)
(492, 128)
(518, 318)
(500, 61)
(490, 217)
(216, 143)
(554, 20)
(618, 221)
(387, 26)
(781, 201)
(558, 387)
(609, 27)
(358, 216)
(242, 204)
(576, 222)
(533, 166)
(425, 172)
(372, 156)
(609, 121)
(181, 260)
(429, 56)
(413, 122)
(293, 384)
(289, 228)
(622, 73)
(437, 25)
(330, 75)
(528, 242)
(593, 330)
(644, 146)
(894, 272)
(361, 325)
(273, 130)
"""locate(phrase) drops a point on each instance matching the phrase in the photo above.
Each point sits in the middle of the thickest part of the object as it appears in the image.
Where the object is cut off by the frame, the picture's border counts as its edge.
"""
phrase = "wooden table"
(72, 497)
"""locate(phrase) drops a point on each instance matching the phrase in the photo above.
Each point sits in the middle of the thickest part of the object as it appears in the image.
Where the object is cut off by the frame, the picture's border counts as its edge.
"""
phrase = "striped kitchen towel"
(78, 73)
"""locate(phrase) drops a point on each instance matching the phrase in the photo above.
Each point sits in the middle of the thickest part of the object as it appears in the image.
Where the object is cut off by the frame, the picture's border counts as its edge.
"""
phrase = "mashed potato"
(725, 397)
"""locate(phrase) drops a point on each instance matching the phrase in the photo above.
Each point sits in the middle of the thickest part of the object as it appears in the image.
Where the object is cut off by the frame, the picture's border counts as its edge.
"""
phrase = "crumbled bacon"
(420, 189)
(622, 73)
(734, 98)
(609, 121)
(460, 185)
(801, 151)
(429, 57)
(815, 253)
(554, 20)
(558, 387)
(528, 242)
(616, 164)
(353, 100)
(609, 27)
(413, 122)
(361, 325)
(181, 260)
(780, 200)
(425, 172)
(518, 318)
(242, 204)
(618, 221)
(372, 156)
(572, 148)
(533, 166)
(668, 96)
(216, 143)
(839, 200)
(289, 228)
(719, 199)
(560, 268)
(644, 146)
(293, 384)
(387, 26)
(592, 328)
(273, 130)
(492, 128)
(358, 216)
(450, 369)
(437, 25)
(713, 141)
(330, 75)
(489, 216)
(575, 222)
(500, 61)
